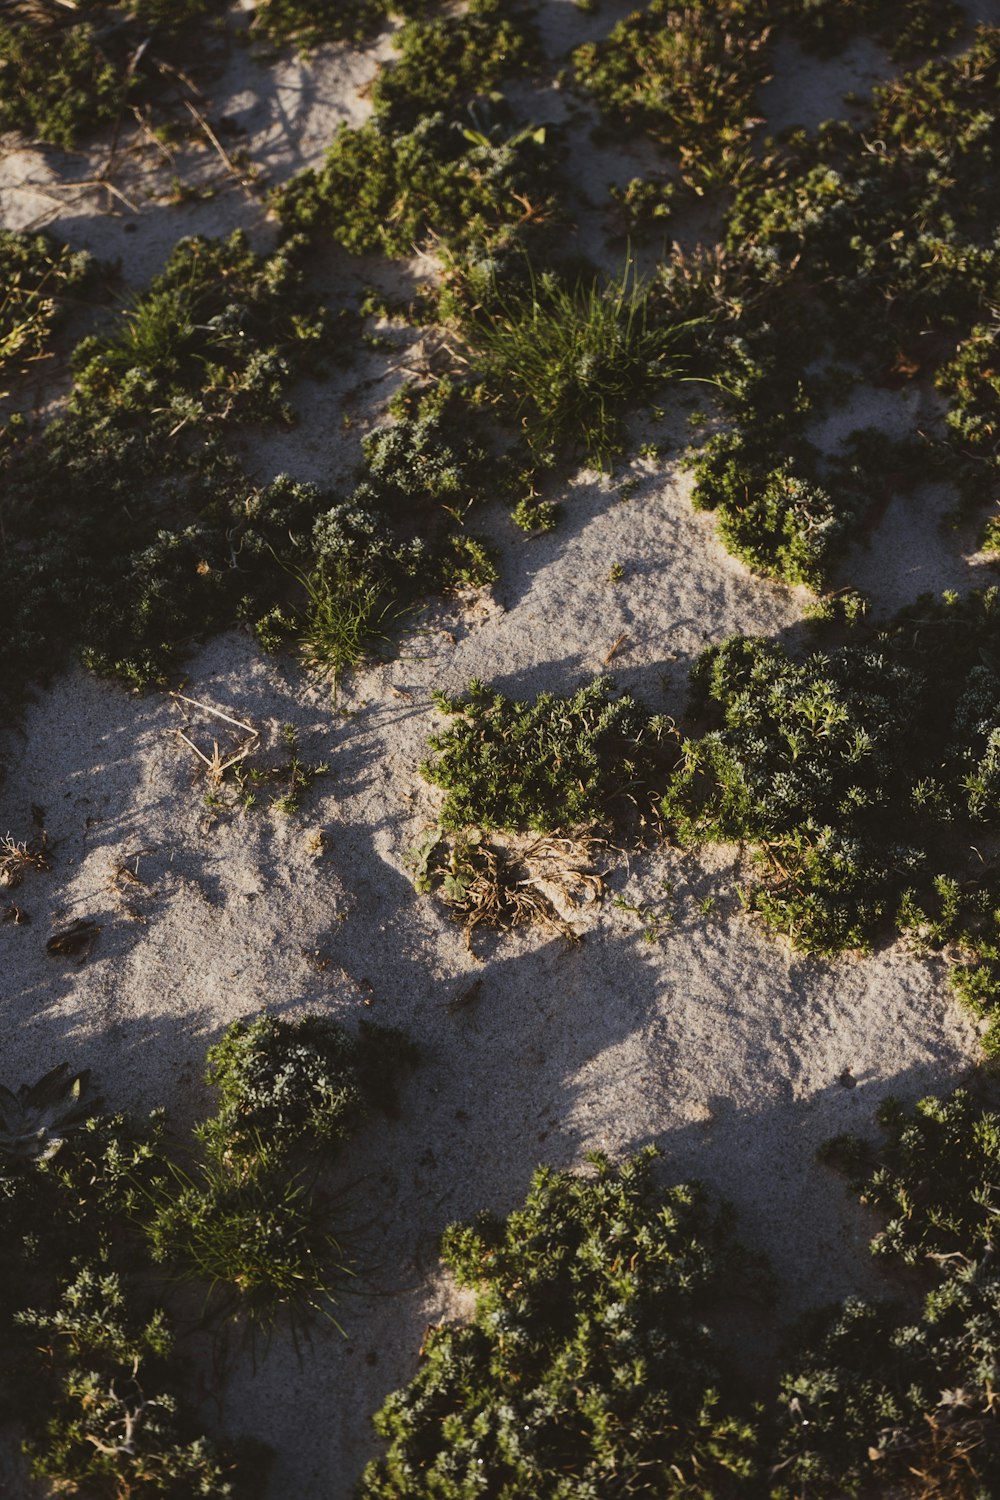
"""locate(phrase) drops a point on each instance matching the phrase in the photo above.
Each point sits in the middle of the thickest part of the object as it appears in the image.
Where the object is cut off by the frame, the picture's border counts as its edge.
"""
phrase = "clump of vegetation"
(848, 773)
(880, 1398)
(395, 537)
(547, 765)
(309, 23)
(587, 1355)
(117, 1427)
(797, 767)
(92, 1204)
(216, 339)
(66, 70)
(258, 1239)
(218, 335)
(40, 278)
(936, 1174)
(566, 360)
(301, 1085)
(464, 184)
(450, 59)
(914, 25)
(902, 238)
(686, 75)
(443, 160)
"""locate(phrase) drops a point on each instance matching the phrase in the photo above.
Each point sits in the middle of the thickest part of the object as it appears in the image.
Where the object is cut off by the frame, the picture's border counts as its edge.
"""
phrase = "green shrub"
(847, 773)
(117, 1427)
(912, 26)
(301, 1085)
(587, 1370)
(883, 1399)
(256, 1237)
(884, 1404)
(454, 184)
(55, 82)
(67, 71)
(39, 277)
(686, 74)
(220, 333)
(936, 1175)
(218, 338)
(447, 60)
(546, 765)
(309, 23)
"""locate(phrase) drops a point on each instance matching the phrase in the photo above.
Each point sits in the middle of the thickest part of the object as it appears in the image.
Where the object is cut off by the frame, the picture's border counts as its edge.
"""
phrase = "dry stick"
(217, 713)
(220, 148)
(129, 73)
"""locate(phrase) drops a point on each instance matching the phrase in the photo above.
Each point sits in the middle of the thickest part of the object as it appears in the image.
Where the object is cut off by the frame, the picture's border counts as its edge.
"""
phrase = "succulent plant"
(35, 1121)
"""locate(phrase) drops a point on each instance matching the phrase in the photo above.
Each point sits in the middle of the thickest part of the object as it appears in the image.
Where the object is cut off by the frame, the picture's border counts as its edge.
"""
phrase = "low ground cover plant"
(547, 765)
(587, 1368)
(850, 773)
(65, 71)
(860, 777)
(564, 360)
(899, 1398)
(299, 1086)
(686, 75)
(915, 26)
(443, 160)
(587, 1363)
(217, 339)
(40, 278)
(450, 58)
(101, 1215)
(308, 23)
(467, 183)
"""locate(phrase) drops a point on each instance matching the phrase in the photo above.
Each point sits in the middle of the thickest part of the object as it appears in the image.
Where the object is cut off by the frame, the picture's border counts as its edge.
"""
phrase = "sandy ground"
(710, 1039)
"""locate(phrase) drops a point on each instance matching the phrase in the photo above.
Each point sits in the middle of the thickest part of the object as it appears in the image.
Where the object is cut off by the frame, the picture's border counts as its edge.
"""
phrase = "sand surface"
(710, 1039)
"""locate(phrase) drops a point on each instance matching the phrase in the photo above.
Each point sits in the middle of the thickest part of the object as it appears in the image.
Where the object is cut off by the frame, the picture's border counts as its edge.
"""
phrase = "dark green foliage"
(797, 768)
(565, 361)
(217, 339)
(309, 23)
(394, 539)
(903, 238)
(301, 1085)
(117, 1428)
(65, 71)
(550, 764)
(218, 335)
(38, 277)
(884, 1400)
(686, 74)
(937, 1177)
(463, 184)
(884, 1404)
(434, 455)
(448, 59)
(56, 82)
(90, 1371)
(849, 773)
(257, 1238)
(884, 260)
(443, 160)
(971, 380)
(907, 27)
(587, 1373)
